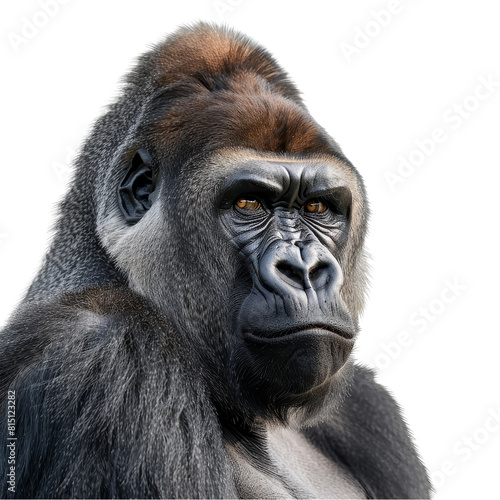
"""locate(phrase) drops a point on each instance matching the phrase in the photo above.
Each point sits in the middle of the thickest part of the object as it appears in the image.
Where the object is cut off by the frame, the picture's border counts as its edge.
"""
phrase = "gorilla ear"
(136, 192)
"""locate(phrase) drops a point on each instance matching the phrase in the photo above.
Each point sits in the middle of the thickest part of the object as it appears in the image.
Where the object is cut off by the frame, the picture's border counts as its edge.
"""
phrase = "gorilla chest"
(299, 471)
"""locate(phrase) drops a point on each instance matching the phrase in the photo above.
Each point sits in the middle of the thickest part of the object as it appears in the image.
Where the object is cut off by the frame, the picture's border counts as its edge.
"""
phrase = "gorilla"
(189, 332)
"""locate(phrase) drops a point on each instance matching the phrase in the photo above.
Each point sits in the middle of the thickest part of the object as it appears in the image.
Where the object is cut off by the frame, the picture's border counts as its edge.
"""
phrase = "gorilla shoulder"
(106, 361)
(367, 434)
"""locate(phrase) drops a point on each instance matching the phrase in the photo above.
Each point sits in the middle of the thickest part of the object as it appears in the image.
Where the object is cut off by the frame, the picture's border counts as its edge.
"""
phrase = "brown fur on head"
(211, 53)
(217, 85)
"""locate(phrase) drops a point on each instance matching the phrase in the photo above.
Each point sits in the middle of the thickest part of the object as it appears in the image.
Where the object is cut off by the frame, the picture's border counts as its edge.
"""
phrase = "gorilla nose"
(297, 273)
(285, 266)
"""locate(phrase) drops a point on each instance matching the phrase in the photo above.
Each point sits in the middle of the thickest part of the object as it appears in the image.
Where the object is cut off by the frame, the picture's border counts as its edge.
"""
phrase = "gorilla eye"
(315, 206)
(248, 203)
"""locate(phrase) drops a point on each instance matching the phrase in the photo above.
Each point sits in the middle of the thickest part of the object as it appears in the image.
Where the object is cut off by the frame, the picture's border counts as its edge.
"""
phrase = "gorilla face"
(289, 222)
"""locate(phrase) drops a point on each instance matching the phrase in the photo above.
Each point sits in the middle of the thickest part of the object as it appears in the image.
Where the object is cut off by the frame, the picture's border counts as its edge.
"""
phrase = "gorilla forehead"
(277, 172)
(284, 179)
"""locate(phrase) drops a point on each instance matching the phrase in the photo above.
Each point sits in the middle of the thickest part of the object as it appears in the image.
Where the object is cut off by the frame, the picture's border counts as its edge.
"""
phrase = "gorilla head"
(241, 220)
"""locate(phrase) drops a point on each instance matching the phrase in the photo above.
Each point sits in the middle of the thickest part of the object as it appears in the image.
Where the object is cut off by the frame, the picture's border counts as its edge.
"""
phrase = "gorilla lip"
(300, 331)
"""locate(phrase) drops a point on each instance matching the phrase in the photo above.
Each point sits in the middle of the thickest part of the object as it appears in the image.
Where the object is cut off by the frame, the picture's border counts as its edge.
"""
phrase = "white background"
(438, 226)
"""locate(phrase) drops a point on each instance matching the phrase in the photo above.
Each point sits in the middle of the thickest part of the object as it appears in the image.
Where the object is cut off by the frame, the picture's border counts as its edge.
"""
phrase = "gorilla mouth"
(309, 330)
(287, 364)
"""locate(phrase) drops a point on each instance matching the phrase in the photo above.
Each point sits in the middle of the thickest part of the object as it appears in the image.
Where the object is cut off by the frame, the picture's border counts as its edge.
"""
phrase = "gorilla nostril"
(290, 272)
(317, 270)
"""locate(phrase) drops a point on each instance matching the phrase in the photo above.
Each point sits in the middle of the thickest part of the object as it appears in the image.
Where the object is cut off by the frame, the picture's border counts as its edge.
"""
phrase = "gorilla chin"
(296, 367)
